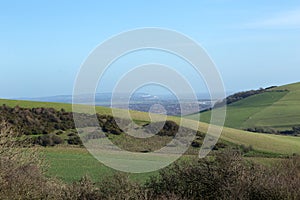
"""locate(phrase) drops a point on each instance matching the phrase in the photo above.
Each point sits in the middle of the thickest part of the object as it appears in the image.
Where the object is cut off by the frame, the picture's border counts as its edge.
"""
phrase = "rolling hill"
(262, 142)
(66, 161)
(277, 108)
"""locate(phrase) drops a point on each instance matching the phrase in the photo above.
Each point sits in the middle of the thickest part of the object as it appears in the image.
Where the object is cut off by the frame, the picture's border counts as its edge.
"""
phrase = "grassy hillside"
(263, 142)
(277, 108)
(70, 164)
(283, 114)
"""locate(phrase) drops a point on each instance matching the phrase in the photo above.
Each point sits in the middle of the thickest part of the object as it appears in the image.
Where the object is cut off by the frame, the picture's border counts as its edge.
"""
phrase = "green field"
(70, 164)
(277, 109)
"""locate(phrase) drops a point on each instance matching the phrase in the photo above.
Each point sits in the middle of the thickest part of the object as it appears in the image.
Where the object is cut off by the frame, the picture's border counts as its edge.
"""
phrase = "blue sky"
(43, 43)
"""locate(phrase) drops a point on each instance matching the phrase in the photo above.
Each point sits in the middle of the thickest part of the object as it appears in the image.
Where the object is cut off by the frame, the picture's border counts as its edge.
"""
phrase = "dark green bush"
(48, 140)
(74, 140)
(57, 140)
(296, 129)
(263, 130)
(196, 143)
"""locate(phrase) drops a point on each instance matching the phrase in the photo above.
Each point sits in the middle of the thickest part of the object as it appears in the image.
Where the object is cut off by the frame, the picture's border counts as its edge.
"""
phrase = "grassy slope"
(72, 163)
(68, 107)
(264, 142)
(279, 110)
(283, 114)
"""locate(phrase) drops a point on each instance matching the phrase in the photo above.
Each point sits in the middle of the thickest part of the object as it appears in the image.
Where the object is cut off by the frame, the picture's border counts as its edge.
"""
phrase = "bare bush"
(228, 176)
(21, 169)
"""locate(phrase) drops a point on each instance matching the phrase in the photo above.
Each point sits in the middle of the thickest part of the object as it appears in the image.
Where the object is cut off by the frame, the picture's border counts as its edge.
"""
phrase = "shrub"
(21, 170)
(59, 132)
(296, 129)
(48, 140)
(74, 140)
(227, 176)
(83, 189)
(57, 140)
(196, 143)
(119, 186)
(263, 130)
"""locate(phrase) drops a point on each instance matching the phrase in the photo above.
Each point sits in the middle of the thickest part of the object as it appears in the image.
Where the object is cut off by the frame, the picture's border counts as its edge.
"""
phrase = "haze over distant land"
(138, 101)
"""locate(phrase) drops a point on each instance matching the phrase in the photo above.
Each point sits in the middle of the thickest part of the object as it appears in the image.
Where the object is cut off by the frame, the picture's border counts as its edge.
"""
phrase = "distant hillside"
(139, 101)
(241, 95)
(276, 110)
